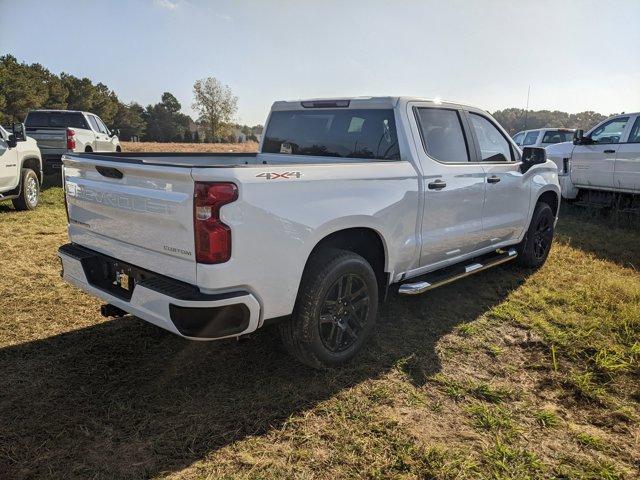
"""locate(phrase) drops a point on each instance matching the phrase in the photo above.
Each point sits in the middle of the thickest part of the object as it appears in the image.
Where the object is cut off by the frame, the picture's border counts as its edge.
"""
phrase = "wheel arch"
(364, 241)
(551, 198)
(35, 164)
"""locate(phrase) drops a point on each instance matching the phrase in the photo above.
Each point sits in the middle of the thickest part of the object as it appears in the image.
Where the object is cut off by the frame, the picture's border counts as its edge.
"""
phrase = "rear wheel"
(534, 249)
(335, 311)
(29, 191)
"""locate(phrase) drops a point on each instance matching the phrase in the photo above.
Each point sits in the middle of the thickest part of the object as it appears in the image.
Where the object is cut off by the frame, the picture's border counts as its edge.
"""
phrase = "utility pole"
(526, 112)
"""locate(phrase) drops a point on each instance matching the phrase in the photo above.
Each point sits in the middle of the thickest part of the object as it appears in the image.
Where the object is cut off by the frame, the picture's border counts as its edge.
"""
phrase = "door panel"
(506, 204)
(453, 187)
(593, 165)
(8, 166)
(452, 219)
(627, 169)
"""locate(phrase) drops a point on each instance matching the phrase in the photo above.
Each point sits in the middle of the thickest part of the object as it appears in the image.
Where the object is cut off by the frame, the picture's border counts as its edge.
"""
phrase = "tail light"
(213, 238)
(71, 141)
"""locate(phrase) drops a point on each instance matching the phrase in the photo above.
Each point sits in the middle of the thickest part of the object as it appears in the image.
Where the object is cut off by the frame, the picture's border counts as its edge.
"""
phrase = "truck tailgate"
(137, 213)
(49, 138)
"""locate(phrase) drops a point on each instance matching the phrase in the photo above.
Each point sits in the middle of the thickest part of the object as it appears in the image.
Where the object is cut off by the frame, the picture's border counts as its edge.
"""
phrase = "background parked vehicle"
(20, 168)
(543, 137)
(66, 131)
(348, 197)
(606, 159)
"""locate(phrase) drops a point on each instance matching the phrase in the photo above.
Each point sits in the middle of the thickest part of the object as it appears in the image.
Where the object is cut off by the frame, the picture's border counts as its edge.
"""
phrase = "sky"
(575, 55)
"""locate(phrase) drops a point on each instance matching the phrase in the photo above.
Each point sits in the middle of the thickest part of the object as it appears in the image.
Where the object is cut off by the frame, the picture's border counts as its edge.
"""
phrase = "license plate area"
(116, 277)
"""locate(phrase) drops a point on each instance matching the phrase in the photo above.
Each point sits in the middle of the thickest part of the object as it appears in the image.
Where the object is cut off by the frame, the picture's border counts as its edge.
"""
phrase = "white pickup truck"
(67, 131)
(346, 199)
(605, 160)
(20, 168)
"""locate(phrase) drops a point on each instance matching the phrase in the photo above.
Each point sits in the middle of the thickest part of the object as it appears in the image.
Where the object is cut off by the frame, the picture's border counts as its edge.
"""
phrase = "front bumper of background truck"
(170, 304)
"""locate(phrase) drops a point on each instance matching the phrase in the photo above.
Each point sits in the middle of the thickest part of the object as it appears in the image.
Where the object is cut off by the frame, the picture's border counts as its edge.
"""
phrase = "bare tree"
(216, 104)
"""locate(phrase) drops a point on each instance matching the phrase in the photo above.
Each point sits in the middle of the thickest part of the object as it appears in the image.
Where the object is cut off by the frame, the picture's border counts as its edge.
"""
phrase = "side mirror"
(532, 156)
(12, 141)
(19, 132)
(580, 139)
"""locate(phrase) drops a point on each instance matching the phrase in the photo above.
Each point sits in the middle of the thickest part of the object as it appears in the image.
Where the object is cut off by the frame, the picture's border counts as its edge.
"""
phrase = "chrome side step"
(455, 272)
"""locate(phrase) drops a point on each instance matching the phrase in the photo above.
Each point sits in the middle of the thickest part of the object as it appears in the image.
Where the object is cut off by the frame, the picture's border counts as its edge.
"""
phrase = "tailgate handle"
(109, 172)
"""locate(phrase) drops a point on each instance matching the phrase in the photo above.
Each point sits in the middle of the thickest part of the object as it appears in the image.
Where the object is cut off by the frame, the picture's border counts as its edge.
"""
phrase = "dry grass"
(189, 147)
(505, 375)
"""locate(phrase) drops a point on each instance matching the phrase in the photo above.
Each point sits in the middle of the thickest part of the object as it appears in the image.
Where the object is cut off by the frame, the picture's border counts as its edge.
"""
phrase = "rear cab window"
(326, 132)
(55, 120)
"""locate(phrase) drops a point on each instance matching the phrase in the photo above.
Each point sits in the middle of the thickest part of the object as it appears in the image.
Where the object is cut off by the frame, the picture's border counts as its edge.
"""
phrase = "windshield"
(56, 120)
(347, 133)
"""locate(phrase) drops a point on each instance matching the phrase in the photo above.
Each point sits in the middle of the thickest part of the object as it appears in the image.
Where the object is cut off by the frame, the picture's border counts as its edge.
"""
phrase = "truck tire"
(534, 248)
(335, 311)
(29, 191)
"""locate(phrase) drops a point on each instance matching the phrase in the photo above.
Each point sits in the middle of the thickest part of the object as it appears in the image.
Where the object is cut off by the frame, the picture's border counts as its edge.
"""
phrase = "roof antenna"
(526, 112)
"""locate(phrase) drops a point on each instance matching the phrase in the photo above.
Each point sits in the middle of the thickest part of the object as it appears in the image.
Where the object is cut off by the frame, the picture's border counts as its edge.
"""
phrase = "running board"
(455, 272)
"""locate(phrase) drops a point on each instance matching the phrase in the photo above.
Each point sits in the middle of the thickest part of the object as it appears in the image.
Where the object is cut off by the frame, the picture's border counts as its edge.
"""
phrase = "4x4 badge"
(283, 175)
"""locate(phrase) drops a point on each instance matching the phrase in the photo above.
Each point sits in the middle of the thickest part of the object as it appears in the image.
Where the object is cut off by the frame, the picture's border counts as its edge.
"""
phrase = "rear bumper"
(170, 304)
(52, 162)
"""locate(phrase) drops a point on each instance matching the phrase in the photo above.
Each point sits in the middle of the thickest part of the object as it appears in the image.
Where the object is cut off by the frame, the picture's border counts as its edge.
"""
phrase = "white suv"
(543, 137)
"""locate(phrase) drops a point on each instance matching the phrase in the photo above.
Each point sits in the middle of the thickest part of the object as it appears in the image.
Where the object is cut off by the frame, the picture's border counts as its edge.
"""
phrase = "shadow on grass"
(125, 399)
(600, 234)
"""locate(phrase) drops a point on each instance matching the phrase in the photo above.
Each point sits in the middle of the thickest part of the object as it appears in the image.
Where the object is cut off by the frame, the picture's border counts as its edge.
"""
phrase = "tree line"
(25, 87)
(515, 120)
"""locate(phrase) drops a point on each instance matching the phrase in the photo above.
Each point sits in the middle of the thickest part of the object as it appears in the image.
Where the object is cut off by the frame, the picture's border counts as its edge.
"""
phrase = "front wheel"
(534, 249)
(29, 191)
(335, 312)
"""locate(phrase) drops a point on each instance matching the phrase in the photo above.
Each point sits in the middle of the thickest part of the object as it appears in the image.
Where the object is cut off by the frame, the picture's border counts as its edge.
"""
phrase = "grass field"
(189, 147)
(504, 375)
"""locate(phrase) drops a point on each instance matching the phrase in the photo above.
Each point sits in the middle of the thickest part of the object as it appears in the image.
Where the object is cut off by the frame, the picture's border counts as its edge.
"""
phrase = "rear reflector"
(326, 104)
(212, 236)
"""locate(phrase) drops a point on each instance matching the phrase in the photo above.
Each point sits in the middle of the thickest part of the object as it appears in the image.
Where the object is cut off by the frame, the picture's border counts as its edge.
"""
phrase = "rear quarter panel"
(277, 222)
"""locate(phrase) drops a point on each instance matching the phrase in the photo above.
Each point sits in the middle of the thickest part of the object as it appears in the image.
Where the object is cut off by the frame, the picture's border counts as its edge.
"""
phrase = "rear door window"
(442, 134)
(347, 133)
(634, 136)
(55, 120)
(101, 126)
(94, 123)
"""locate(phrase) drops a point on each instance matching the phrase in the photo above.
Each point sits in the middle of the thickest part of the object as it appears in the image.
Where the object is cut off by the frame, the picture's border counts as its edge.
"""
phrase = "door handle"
(437, 185)
(609, 151)
(493, 179)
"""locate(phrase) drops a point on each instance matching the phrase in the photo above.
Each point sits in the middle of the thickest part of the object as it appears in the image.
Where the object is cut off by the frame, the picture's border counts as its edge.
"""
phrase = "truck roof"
(53, 110)
(360, 102)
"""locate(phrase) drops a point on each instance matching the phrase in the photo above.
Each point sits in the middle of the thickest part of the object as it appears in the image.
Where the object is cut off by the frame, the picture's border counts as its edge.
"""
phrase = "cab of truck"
(605, 159)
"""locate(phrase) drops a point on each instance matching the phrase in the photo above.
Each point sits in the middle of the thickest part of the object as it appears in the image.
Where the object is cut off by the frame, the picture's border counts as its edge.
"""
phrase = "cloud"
(166, 4)
(224, 16)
